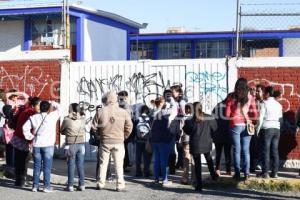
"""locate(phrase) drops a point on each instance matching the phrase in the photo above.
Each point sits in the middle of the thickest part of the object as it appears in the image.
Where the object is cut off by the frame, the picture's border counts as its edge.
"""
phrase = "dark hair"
(145, 109)
(177, 88)
(262, 87)
(167, 91)
(12, 96)
(123, 93)
(159, 100)
(189, 106)
(75, 107)
(198, 113)
(12, 90)
(276, 93)
(45, 106)
(34, 101)
(269, 90)
(241, 90)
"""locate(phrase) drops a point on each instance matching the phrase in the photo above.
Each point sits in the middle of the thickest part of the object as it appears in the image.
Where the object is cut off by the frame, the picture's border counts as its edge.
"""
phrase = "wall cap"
(35, 55)
(265, 62)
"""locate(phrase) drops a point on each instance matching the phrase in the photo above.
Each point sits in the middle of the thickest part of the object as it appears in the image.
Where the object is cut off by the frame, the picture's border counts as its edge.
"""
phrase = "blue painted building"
(94, 34)
(214, 44)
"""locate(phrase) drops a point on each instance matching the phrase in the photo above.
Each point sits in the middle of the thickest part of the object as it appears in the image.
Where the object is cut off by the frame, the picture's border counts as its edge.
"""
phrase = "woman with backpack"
(73, 127)
(142, 130)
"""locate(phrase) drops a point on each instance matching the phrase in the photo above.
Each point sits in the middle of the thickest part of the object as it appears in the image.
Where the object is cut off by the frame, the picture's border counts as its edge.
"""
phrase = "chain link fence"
(268, 29)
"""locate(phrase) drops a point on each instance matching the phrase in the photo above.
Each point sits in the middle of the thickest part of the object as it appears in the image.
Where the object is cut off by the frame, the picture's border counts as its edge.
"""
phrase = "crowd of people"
(172, 130)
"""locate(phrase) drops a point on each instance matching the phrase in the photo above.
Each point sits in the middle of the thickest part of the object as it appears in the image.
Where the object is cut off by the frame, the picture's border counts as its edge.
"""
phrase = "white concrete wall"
(11, 36)
(102, 42)
(291, 47)
(202, 79)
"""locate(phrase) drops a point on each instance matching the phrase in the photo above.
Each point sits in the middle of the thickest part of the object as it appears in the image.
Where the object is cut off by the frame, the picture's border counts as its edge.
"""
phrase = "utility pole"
(238, 27)
(65, 24)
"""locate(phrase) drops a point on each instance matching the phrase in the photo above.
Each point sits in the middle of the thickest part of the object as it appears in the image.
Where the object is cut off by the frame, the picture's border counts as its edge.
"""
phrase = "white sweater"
(270, 114)
(43, 126)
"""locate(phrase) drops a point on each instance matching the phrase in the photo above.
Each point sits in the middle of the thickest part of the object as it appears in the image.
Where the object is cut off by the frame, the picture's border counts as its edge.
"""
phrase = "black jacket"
(200, 134)
(221, 135)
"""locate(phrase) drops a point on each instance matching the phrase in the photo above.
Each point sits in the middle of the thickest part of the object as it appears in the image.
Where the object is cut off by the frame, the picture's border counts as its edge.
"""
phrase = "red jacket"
(23, 117)
(235, 114)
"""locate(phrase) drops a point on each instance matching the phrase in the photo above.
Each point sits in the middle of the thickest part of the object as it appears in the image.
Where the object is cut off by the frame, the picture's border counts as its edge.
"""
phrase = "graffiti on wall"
(32, 80)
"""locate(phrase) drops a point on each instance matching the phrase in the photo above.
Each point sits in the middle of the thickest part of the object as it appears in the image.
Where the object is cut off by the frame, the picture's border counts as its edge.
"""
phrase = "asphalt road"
(137, 188)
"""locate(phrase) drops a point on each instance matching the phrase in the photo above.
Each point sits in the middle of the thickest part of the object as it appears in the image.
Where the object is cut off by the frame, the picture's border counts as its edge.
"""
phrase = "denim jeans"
(161, 156)
(142, 153)
(241, 146)
(78, 152)
(42, 156)
(270, 139)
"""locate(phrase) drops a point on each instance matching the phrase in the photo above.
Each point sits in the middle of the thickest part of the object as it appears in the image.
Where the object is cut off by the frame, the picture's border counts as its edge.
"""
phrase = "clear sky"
(193, 15)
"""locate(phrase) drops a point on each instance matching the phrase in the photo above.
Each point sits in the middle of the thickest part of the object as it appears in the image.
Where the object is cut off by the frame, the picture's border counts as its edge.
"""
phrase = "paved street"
(137, 188)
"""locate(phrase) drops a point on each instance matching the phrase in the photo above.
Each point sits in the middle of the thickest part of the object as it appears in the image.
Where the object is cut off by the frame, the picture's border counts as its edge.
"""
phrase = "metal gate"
(85, 82)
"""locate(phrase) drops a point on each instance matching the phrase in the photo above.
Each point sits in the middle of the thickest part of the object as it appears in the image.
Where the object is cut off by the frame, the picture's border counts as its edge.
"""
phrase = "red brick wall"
(287, 80)
(36, 78)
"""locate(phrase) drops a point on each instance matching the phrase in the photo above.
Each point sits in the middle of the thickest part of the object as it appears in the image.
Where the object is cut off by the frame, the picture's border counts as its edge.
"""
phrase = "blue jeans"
(241, 146)
(77, 152)
(42, 155)
(161, 156)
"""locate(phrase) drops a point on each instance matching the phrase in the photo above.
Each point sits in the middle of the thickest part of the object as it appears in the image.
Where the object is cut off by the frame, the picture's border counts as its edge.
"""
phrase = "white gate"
(203, 80)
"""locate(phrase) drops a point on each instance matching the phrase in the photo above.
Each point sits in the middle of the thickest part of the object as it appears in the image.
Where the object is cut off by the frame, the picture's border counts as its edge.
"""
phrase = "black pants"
(126, 158)
(9, 155)
(22, 159)
(270, 139)
(255, 152)
(198, 168)
(227, 153)
(141, 153)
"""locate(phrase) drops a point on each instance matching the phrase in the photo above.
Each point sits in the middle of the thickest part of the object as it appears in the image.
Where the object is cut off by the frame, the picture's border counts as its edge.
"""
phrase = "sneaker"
(98, 186)
(34, 189)
(70, 189)
(184, 182)
(274, 175)
(121, 189)
(258, 167)
(48, 190)
(247, 177)
(237, 177)
(166, 183)
(81, 188)
(263, 175)
(218, 173)
(156, 181)
(228, 173)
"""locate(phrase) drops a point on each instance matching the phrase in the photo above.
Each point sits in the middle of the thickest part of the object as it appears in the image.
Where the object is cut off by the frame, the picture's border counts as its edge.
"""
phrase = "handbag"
(94, 138)
(250, 128)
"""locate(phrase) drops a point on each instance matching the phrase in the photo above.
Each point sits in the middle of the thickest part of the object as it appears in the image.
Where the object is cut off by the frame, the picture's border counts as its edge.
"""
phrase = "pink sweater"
(235, 114)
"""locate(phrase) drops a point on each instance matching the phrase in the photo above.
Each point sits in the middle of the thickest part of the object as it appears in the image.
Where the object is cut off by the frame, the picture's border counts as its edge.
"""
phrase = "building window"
(46, 33)
(145, 50)
(212, 49)
(174, 50)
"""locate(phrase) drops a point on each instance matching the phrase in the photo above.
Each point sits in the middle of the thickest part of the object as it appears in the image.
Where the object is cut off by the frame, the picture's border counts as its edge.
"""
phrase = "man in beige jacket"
(114, 125)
